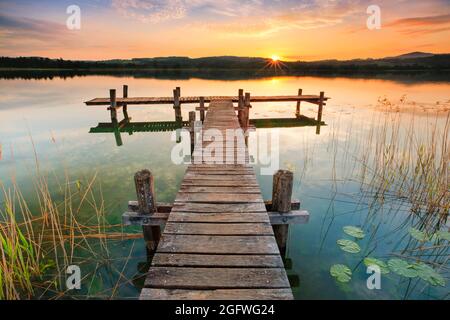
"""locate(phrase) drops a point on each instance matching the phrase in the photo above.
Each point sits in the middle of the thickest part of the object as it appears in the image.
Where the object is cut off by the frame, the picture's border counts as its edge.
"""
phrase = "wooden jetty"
(219, 239)
(114, 103)
(218, 242)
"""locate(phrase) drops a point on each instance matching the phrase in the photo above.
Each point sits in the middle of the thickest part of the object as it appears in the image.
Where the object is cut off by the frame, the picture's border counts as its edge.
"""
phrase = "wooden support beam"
(281, 202)
(145, 192)
(297, 111)
(113, 105)
(319, 112)
(192, 129)
(159, 218)
(202, 109)
(247, 107)
(240, 108)
(177, 105)
(124, 106)
(292, 217)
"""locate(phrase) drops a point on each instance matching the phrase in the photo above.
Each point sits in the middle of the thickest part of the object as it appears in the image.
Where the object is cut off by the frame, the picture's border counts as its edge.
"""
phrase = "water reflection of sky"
(52, 113)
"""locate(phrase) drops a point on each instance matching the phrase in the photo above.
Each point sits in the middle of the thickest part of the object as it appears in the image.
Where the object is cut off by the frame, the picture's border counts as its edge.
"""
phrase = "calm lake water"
(52, 114)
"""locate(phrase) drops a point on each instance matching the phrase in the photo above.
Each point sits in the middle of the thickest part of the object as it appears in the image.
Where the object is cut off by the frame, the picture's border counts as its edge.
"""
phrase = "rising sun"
(275, 57)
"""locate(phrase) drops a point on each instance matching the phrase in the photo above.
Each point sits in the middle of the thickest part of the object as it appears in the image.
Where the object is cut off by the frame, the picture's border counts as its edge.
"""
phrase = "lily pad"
(354, 232)
(368, 261)
(402, 268)
(341, 272)
(427, 273)
(349, 245)
(418, 235)
(442, 235)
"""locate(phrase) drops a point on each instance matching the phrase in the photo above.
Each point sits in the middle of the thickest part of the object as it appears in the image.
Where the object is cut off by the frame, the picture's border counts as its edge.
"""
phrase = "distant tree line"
(434, 63)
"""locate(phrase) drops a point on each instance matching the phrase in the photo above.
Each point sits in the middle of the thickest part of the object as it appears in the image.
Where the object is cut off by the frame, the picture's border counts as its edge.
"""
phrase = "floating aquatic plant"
(427, 273)
(369, 261)
(442, 235)
(418, 235)
(349, 246)
(341, 272)
(354, 232)
(402, 268)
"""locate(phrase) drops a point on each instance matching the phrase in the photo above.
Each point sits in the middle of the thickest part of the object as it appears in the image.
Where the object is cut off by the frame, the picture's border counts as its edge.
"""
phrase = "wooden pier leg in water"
(281, 202)
(297, 111)
(124, 106)
(113, 105)
(114, 122)
(177, 105)
(319, 112)
(202, 109)
(145, 192)
(192, 129)
(247, 107)
(241, 111)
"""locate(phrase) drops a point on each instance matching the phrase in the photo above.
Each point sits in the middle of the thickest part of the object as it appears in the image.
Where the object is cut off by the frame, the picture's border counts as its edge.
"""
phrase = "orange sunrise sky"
(292, 30)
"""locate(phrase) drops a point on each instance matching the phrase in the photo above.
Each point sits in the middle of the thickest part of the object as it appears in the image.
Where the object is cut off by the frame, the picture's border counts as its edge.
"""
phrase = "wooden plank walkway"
(170, 100)
(218, 242)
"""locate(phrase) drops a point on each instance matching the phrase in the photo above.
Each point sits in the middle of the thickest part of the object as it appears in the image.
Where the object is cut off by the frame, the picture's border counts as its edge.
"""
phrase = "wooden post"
(176, 105)
(297, 112)
(145, 193)
(124, 106)
(202, 109)
(247, 107)
(192, 129)
(281, 202)
(319, 112)
(113, 105)
(241, 111)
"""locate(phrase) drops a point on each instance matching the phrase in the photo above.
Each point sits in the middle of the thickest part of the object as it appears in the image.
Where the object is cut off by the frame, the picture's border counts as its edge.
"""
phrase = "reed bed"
(401, 164)
(38, 244)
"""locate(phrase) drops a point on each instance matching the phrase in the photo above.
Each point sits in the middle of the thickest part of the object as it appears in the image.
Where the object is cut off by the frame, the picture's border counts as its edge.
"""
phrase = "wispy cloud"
(243, 17)
(263, 18)
(30, 26)
(422, 25)
(152, 11)
(20, 34)
(421, 21)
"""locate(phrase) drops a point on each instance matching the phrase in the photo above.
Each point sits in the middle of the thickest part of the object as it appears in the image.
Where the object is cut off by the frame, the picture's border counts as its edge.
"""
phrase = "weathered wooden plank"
(195, 99)
(228, 217)
(214, 183)
(240, 178)
(216, 278)
(239, 229)
(292, 217)
(137, 219)
(219, 172)
(218, 244)
(216, 260)
(201, 197)
(222, 167)
(216, 294)
(219, 207)
(220, 189)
